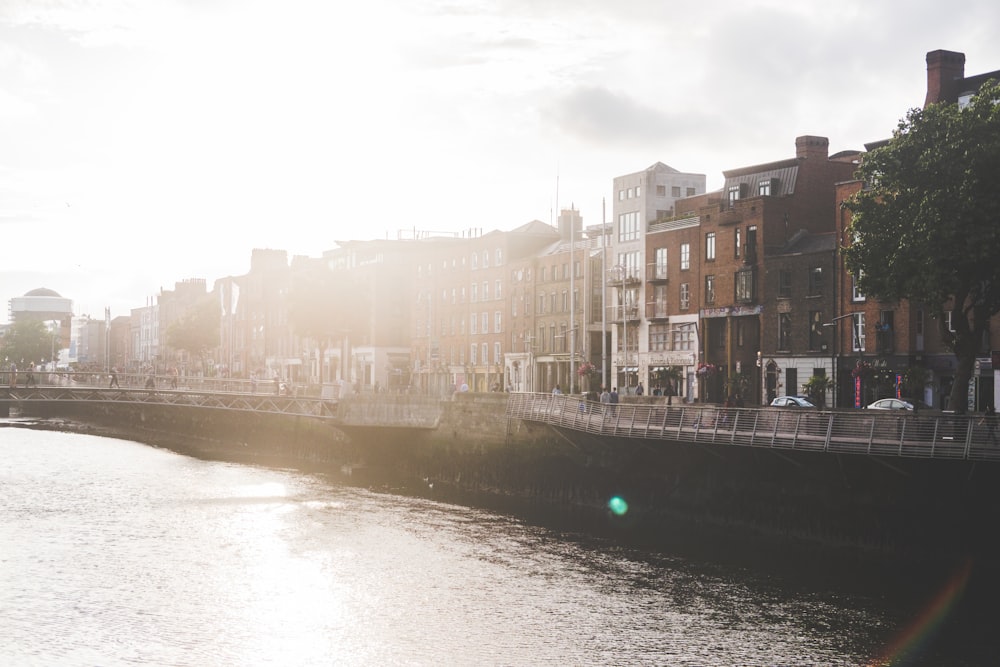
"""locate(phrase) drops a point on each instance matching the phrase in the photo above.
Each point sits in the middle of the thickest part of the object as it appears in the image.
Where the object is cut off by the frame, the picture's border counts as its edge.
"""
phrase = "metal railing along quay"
(268, 403)
(933, 436)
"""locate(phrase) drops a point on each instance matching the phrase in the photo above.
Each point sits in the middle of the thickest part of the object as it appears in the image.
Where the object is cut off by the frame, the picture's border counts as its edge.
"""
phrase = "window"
(856, 294)
(734, 194)
(709, 290)
(484, 353)
(816, 281)
(621, 195)
(486, 291)
(784, 284)
(858, 337)
(472, 354)
(472, 324)
(745, 292)
(661, 191)
(499, 259)
(553, 303)
(513, 306)
(685, 256)
(474, 293)
(883, 333)
(497, 321)
(565, 301)
(565, 271)
(764, 187)
(710, 246)
(690, 192)
(628, 226)
(685, 301)
(630, 191)
(785, 331)
(486, 259)
(815, 330)
(660, 266)
(541, 303)
(497, 289)
(675, 191)
(638, 191)
(751, 249)
(659, 301)
(475, 261)
(683, 338)
(485, 321)
(541, 274)
(738, 243)
(659, 338)
(496, 353)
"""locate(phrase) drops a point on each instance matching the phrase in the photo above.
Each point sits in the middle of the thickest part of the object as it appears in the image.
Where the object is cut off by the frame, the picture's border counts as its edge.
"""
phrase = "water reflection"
(117, 553)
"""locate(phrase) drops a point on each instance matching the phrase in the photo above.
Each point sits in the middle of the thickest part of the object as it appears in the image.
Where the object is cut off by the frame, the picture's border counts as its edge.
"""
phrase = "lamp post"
(836, 349)
(618, 273)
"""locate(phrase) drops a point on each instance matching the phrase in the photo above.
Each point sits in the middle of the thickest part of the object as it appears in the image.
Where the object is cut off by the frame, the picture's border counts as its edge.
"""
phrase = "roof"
(43, 291)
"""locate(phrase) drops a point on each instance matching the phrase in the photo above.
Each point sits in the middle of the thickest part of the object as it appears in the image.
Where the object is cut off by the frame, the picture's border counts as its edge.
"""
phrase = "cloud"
(599, 116)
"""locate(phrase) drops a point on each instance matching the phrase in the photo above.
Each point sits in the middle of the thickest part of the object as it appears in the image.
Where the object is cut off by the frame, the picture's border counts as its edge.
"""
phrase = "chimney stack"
(945, 72)
(812, 147)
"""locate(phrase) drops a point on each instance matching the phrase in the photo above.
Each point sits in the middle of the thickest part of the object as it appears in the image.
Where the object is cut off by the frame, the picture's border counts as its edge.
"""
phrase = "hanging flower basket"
(586, 369)
(707, 370)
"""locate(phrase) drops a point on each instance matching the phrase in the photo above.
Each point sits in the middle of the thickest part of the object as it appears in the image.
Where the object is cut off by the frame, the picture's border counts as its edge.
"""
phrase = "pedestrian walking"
(113, 382)
(990, 419)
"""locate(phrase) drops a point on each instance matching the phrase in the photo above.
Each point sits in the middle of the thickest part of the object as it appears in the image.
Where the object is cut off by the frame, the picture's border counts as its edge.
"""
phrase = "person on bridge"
(613, 399)
(114, 379)
(556, 390)
(29, 378)
(990, 419)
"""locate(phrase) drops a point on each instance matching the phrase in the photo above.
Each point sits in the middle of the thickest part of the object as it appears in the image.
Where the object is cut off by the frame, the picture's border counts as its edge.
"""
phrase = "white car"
(891, 404)
(791, 402)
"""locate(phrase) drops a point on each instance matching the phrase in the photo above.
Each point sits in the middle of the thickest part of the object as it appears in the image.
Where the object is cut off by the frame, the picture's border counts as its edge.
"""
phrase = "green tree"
(28, 341)
(927, 226)
(198, 330)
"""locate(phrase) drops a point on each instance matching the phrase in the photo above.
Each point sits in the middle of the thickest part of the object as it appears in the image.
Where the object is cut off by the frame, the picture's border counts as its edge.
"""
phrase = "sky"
(148, 142)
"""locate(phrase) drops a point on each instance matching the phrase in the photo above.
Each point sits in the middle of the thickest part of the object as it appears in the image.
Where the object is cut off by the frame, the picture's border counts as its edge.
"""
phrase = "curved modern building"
(40, 304)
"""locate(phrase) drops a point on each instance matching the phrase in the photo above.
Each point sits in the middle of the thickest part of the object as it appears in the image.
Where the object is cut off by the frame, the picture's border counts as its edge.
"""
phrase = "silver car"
(791, 402)
(891, 404)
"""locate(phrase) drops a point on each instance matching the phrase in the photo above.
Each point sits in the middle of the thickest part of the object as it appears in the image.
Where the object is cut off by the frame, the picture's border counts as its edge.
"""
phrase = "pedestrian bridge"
(928, 436)
(375, 410)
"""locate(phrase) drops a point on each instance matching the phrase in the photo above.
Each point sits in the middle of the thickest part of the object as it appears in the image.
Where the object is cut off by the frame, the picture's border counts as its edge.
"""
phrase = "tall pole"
(572, 305)
(604, 294)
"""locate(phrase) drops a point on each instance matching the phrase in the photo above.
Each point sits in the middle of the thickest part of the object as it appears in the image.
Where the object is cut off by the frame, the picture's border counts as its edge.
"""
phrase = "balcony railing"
(657, 310)
(630, 313)
(656, 272)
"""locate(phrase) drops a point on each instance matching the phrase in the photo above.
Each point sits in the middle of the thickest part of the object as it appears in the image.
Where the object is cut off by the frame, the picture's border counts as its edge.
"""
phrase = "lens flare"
(618, 506)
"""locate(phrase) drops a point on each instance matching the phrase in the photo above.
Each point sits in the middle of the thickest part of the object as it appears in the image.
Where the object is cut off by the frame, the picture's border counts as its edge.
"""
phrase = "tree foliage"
(927, 226)
(28, 341)
(198, 330)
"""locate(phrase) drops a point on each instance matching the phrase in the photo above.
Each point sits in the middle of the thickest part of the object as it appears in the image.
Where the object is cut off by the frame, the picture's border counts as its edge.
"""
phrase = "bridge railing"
(861, 432)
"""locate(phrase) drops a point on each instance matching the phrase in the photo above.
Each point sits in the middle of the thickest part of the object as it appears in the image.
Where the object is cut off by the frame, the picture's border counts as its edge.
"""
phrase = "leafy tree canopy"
(27, 341)
(927, 226)
(198, 330)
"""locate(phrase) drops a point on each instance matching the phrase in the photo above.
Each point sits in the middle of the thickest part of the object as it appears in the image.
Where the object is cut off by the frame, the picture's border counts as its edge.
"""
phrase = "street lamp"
(618, 273)
(855, 336)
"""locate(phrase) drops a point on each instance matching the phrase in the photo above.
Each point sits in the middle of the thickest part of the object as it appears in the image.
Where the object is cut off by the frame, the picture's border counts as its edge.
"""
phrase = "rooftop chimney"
(809, 146)
(945, 71)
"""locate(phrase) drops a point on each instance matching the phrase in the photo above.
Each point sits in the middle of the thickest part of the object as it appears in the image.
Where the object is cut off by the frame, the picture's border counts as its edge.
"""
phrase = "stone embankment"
(476, 454)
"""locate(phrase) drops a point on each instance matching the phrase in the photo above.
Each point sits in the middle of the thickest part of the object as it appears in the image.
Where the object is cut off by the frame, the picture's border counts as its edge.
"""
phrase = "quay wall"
(919, 508)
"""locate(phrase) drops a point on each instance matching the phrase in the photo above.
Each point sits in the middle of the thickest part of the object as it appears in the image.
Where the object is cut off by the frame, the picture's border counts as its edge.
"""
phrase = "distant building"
(40, 304)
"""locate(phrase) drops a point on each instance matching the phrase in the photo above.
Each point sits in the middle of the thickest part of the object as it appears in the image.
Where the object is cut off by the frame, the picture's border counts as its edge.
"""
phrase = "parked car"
(890, 404)
(792, 402)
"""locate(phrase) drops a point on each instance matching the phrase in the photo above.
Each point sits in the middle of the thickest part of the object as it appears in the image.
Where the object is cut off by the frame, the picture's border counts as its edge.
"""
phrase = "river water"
(117, 553)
